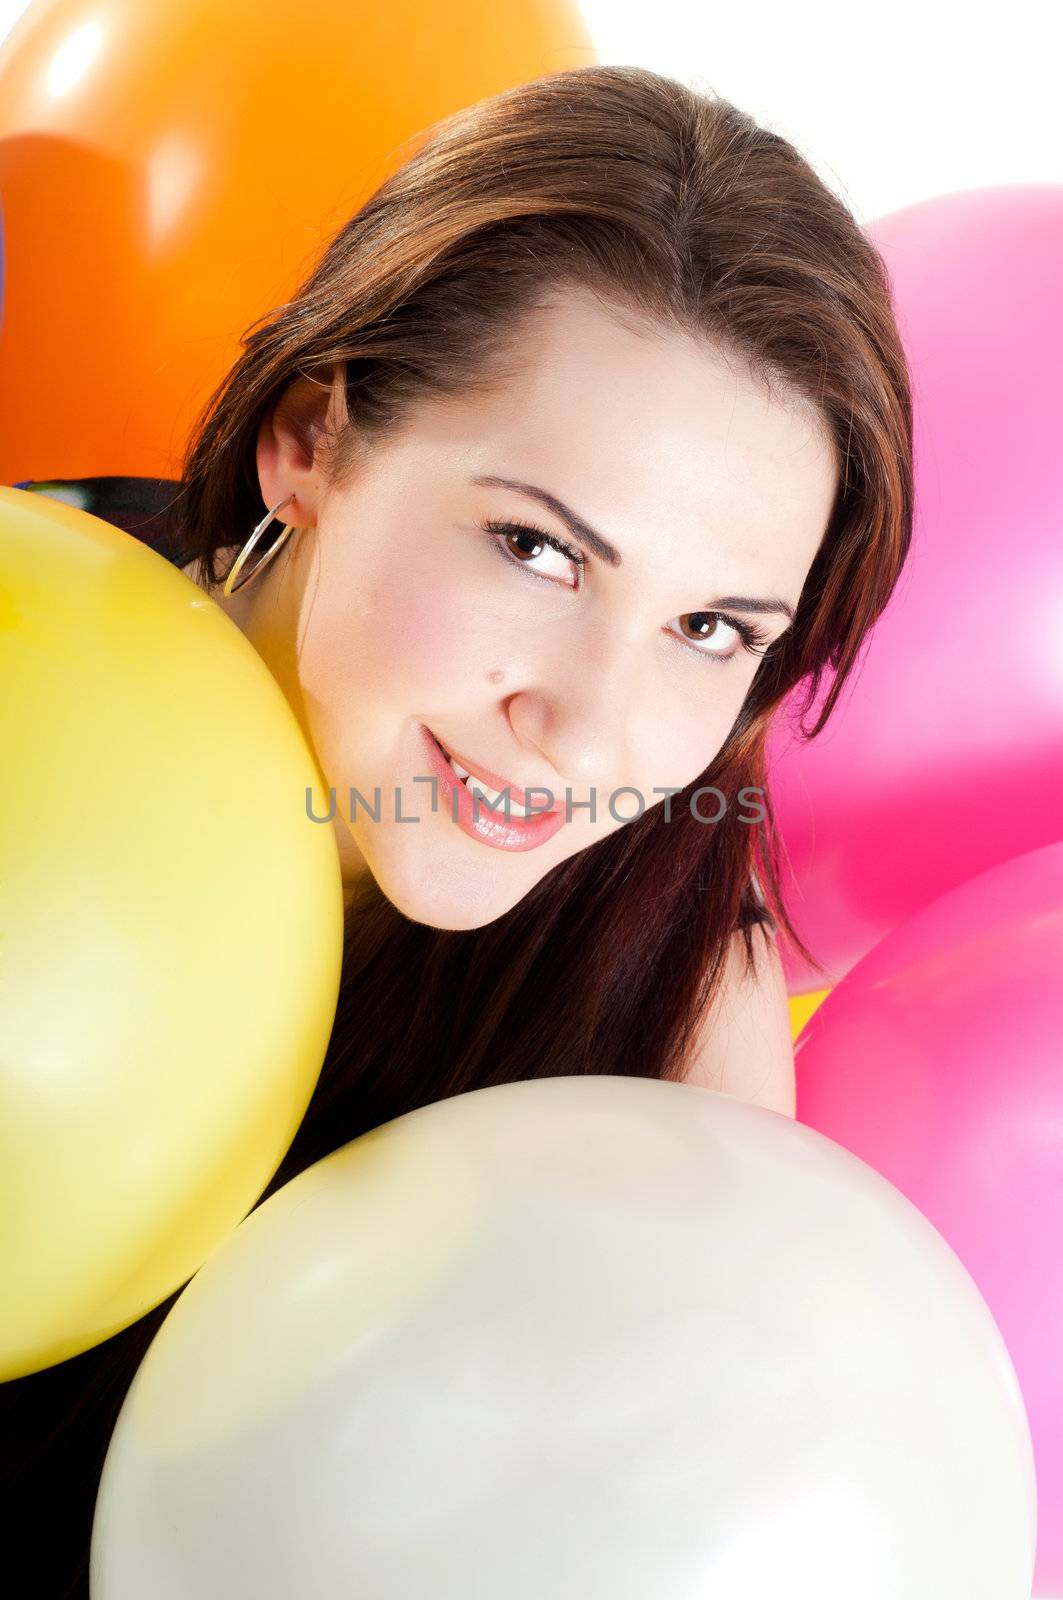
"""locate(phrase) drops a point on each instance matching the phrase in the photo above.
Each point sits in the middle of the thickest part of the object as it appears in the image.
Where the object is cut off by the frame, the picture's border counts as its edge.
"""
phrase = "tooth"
(492, 795)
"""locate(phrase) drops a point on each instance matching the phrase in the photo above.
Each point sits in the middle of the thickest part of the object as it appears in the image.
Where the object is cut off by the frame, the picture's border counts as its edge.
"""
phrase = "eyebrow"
(601, 547)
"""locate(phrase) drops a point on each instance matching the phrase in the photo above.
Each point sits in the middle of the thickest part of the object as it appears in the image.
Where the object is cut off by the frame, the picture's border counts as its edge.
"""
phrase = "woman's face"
(392, 615)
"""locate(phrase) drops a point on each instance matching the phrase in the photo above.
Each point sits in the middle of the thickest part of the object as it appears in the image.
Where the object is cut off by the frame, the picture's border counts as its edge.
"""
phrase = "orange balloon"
(171, 171)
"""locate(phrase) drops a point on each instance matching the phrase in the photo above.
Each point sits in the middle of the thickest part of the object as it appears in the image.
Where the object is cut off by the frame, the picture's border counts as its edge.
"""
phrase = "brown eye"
(523, 543)
(703, 629)
(709, 628)
(704, 625)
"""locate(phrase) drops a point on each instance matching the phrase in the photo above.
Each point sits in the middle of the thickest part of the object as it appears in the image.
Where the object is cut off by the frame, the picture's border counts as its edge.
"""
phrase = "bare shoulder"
(744, 1046)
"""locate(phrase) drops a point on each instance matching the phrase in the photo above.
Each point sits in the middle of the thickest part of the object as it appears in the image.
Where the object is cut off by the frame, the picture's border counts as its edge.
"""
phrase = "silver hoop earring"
(263, 561)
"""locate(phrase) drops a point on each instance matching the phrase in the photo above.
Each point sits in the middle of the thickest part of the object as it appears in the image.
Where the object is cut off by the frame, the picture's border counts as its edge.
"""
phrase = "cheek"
(403, 639)
(676, 744)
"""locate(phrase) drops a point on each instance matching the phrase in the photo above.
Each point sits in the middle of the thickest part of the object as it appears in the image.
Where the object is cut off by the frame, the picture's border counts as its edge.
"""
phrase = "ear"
(290, 439)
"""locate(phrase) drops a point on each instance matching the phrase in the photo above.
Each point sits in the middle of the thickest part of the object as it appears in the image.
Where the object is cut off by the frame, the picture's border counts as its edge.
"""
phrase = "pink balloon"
(939, 1061)
(945, 756)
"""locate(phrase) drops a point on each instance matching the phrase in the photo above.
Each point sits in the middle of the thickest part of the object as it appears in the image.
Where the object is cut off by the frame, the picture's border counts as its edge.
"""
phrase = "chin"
(445, 891)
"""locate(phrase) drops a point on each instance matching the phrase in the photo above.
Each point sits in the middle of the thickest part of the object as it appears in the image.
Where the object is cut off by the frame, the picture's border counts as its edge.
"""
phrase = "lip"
(476, 818)
(492, 779)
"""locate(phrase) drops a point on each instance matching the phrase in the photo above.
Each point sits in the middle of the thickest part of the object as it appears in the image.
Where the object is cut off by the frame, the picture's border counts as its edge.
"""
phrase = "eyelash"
(754, 639)
(497, 528)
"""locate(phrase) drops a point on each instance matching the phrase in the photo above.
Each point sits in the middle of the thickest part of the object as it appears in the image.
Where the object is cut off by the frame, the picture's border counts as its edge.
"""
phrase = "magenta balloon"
(938, 1060)
(945, 755)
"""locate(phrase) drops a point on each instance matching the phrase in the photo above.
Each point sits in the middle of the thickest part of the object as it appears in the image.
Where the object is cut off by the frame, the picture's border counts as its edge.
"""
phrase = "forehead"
(647, 431)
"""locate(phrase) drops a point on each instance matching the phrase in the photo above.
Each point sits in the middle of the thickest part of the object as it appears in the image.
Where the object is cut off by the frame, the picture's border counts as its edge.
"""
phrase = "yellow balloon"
(802, 1006)
(171, 929)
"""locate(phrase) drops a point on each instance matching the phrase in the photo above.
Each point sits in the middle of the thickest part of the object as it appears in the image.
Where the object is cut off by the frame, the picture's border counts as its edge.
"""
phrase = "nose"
(579, 711)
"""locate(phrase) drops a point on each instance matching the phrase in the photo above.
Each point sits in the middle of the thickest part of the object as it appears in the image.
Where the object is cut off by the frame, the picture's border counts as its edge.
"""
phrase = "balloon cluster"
(925, 831)
(583, 1337)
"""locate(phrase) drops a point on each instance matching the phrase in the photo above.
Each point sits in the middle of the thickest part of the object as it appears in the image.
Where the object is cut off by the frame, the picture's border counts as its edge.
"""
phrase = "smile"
(486, 807)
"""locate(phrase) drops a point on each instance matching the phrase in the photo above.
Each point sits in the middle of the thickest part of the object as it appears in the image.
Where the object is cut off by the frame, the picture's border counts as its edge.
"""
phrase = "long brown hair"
(675, 207)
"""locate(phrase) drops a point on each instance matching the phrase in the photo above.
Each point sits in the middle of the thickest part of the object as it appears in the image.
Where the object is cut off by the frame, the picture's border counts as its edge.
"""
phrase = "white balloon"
(580, 1338)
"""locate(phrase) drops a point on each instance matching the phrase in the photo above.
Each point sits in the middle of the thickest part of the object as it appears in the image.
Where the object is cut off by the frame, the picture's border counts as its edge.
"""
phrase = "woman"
(591, 432)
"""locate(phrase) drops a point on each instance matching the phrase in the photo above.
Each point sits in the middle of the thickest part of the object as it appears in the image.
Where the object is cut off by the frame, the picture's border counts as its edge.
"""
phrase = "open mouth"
(494, 789)
(499, 823)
